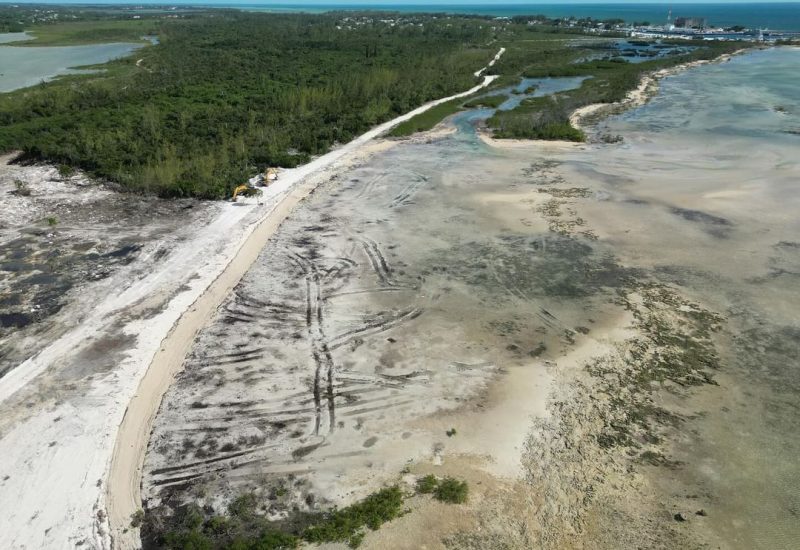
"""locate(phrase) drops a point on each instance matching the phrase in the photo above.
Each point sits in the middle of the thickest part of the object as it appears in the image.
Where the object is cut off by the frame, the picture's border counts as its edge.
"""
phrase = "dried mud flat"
(62, 238)
(84, 273)
(435, 289)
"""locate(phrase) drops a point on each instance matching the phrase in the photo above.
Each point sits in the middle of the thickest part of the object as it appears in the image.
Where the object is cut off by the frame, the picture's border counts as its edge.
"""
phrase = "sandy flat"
(71, 456)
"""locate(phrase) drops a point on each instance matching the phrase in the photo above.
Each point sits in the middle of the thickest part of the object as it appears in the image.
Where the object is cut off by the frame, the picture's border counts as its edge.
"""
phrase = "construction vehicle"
(263, 180)
(249, 189)
(246, 191)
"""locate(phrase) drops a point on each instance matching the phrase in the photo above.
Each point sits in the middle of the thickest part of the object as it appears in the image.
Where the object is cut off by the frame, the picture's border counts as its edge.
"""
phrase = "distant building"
(690, 22)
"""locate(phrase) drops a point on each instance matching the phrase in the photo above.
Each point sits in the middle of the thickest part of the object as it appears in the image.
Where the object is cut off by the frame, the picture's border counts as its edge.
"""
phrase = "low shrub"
(427, 484)
(452, 491)
(347, 524)
(21, 188)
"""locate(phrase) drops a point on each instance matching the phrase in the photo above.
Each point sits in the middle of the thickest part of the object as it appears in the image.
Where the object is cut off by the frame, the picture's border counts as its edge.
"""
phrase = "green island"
(224, 95)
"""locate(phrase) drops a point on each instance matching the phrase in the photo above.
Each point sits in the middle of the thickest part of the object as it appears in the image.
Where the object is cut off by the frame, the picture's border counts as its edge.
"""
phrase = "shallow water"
(703, 195)
(519, 92)
(398, 298)
(704, 191)
(453, 255)
(6, 37)
(753, 96)
(21, 67)
(634, 52)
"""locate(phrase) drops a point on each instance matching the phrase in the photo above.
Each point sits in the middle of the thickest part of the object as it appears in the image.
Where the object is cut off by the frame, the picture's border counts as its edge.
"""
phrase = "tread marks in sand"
(335, 390)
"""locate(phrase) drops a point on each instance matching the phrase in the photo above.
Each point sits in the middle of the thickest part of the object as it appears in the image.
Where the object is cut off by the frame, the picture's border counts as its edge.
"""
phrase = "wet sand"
(71, 385)
(356, 342)
(609, 329)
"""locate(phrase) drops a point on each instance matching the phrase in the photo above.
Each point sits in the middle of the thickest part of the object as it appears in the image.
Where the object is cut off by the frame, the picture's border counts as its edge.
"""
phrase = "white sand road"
(58, 488)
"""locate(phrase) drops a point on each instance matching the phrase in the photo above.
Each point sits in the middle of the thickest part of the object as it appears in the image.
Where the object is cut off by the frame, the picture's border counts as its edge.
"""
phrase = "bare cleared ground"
(62, 241)
(349, 333)
(71, 371)
(86, 276)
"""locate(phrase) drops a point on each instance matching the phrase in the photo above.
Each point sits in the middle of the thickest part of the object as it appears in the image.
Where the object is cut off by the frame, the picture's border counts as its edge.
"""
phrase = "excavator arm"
(238, 190)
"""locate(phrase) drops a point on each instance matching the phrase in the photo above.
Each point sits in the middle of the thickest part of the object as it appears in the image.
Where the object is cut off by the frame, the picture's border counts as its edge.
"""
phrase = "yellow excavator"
(250, 190)
(245, 191)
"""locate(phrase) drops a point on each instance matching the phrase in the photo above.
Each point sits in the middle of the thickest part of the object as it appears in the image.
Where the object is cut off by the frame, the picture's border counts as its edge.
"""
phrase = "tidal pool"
(21, 67)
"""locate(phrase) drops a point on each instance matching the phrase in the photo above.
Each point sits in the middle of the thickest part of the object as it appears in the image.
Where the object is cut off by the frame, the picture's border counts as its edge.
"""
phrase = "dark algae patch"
(674, 350)
(529, 267)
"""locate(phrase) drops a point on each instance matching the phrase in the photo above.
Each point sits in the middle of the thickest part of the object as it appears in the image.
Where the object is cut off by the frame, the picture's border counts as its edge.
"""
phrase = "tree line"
(226, 94)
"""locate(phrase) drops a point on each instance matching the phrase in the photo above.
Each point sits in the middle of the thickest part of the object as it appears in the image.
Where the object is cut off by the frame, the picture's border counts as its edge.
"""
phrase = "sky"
(531, 3)
(395, 2)
(463, 2)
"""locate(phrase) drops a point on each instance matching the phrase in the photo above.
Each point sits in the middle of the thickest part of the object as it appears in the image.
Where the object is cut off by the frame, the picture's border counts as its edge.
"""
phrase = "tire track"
(375, 326)
(368, 187)
(405, 196)
(370, 291)
(323, 360)
(378, 261)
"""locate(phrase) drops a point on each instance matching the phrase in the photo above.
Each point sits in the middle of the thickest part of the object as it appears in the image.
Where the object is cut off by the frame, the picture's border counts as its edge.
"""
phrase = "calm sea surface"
(768, 15)
(777, 16)
(722, 142)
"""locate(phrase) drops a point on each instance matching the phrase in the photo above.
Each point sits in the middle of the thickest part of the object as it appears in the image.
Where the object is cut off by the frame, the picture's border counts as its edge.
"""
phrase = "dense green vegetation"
(427, 484)
(224, 95)
(347, 525)
(452, 491)
(244, 527)
(491, 101)
(90, 32)
(608, 81)
(448, 490)
(65, 24)
(427, 120)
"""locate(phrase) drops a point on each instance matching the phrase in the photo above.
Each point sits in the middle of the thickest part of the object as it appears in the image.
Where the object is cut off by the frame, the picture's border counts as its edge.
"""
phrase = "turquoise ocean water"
(770, 15)
(777, 16)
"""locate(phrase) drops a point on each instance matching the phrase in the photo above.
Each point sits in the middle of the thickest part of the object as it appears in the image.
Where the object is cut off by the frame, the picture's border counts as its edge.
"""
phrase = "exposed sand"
(134, 432)
(124, 480)
(69, 460)
(541, 145)
(125, 471)
(631, 285)
(459, 326)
